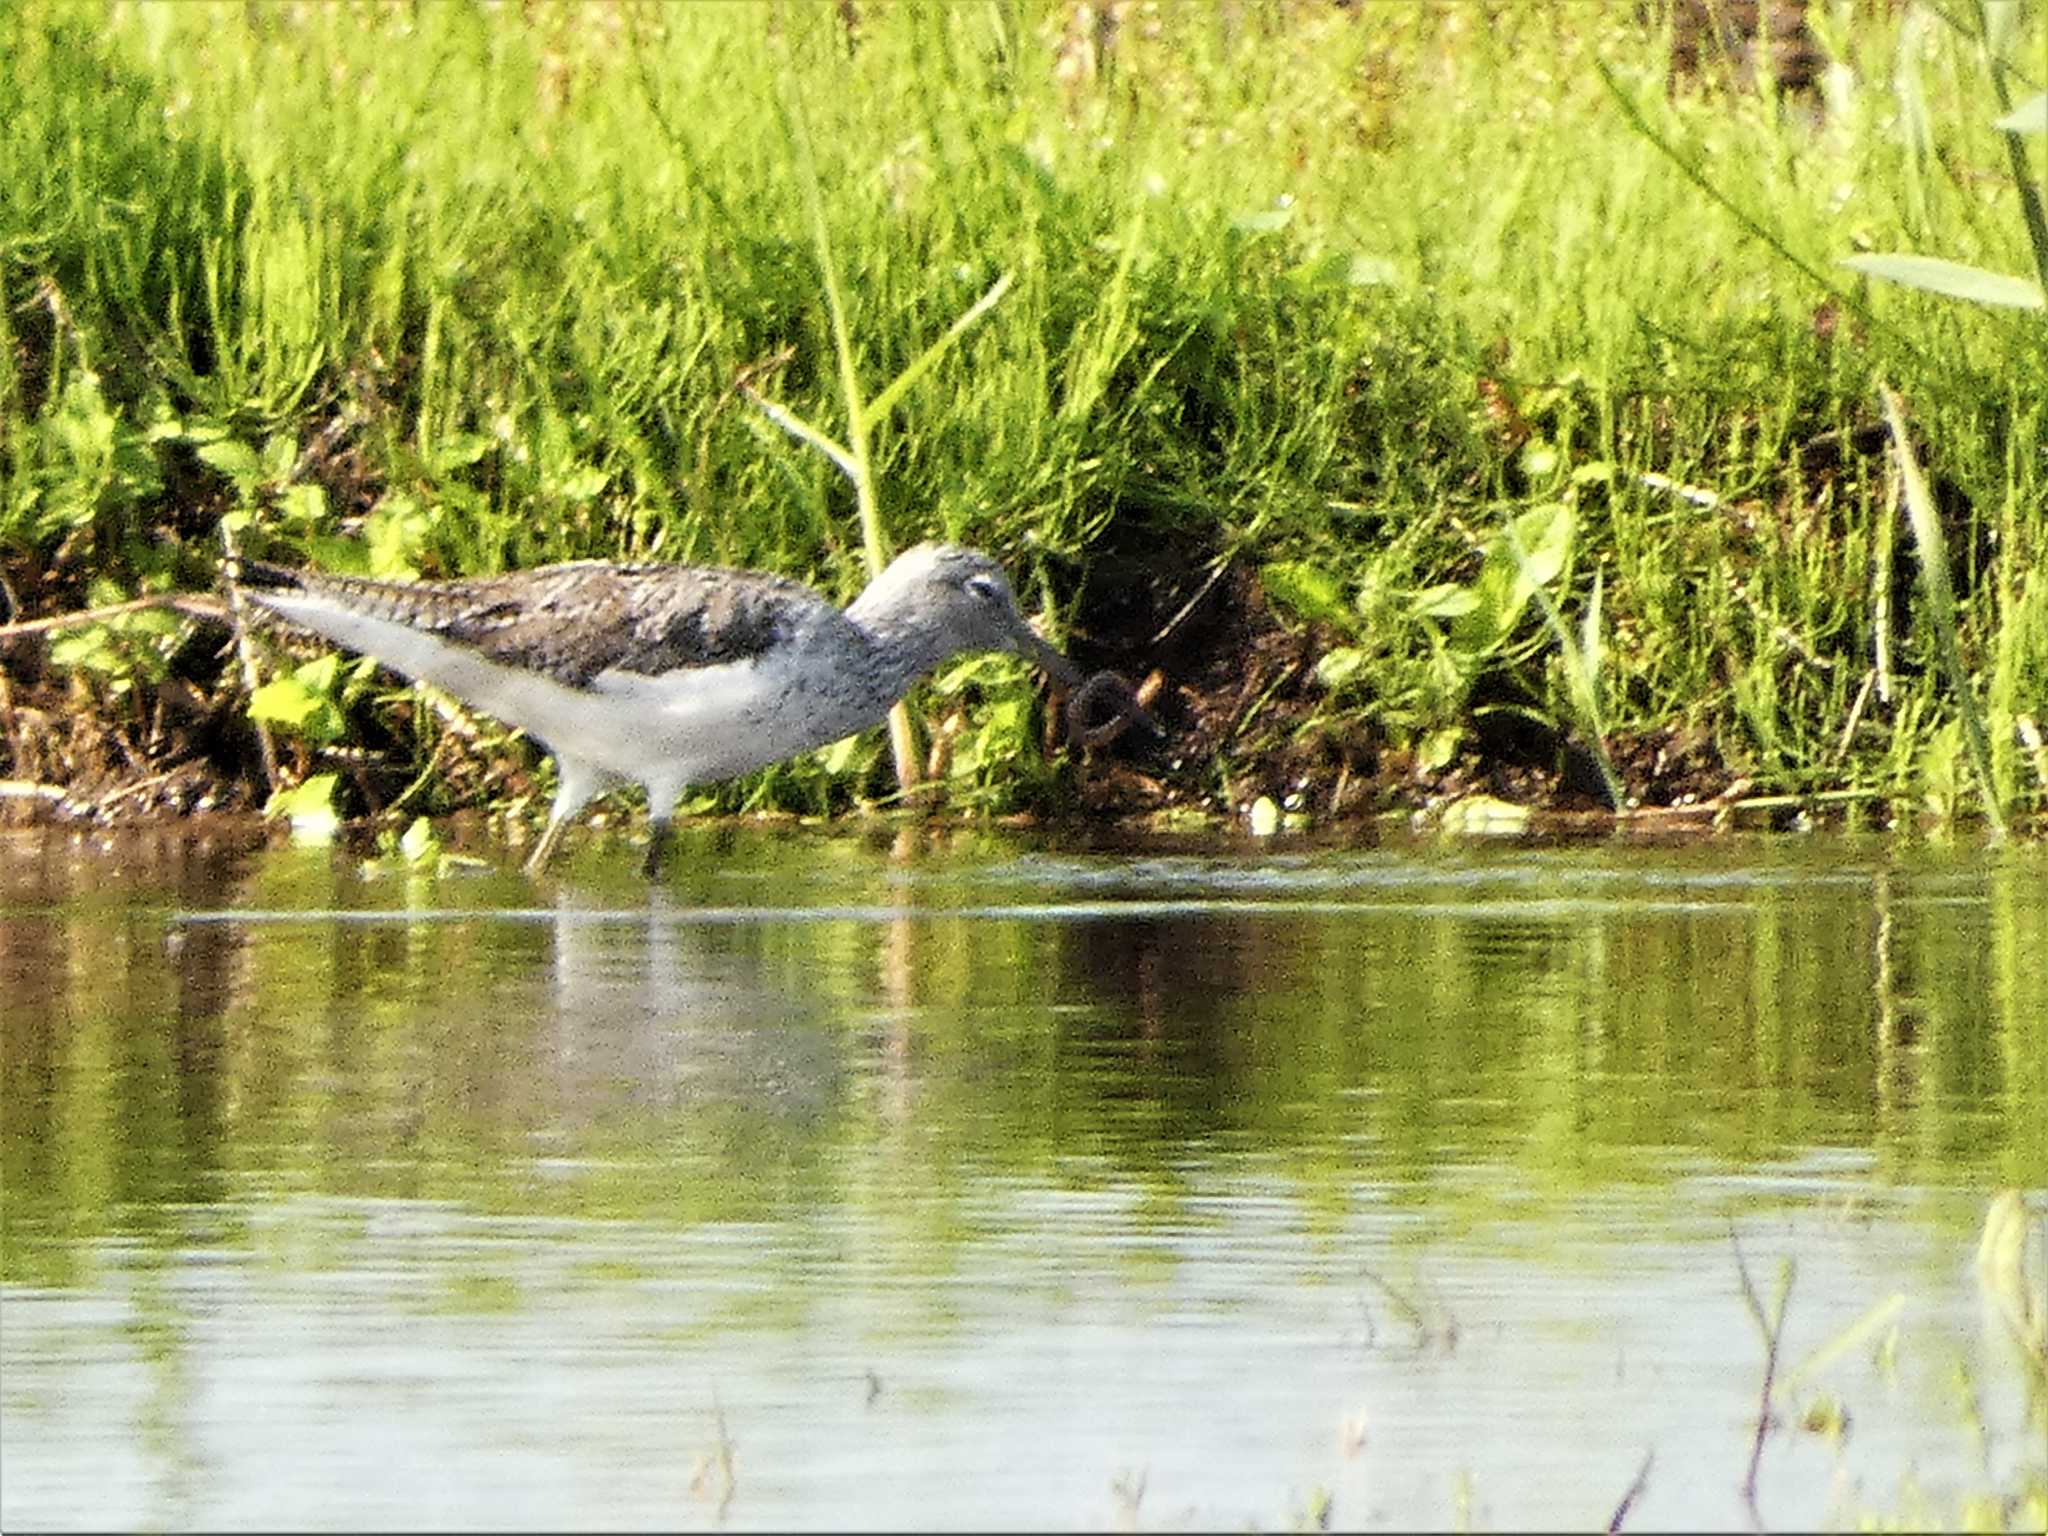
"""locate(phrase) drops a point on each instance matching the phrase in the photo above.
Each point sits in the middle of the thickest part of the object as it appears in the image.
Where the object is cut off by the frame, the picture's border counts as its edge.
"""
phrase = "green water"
(978, 1179)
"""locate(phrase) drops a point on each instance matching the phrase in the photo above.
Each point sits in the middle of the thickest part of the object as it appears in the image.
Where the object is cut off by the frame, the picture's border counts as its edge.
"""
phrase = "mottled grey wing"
(575, 621)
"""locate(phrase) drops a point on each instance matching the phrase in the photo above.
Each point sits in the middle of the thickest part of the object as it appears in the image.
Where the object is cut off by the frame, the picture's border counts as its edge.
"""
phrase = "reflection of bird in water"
(663, 1011)
(672, 675)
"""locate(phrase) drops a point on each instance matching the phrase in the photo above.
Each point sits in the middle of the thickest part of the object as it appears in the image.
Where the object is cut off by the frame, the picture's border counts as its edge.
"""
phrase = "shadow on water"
(963, 1178)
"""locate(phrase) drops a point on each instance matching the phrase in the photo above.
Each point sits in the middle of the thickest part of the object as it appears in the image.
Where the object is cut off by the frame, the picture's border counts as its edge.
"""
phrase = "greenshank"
(671, 675)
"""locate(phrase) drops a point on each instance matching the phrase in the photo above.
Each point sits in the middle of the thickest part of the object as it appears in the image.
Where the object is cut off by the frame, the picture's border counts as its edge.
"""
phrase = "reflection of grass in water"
(2011, 1279)
(2011, 1272)
(599, 1274)
(475, 1293)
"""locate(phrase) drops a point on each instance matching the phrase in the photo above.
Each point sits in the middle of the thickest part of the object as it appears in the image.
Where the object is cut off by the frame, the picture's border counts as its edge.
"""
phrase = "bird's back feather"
(569, 622)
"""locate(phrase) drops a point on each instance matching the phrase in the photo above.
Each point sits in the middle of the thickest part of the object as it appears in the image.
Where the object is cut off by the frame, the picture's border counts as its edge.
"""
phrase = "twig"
(1771, 1329)
(1201, 592)
(191, 605)
(24, 789)
(419, 782)
(1635, 1491)
(1855, 713)
(720, 1461)
(114, 797)
(1698, 495)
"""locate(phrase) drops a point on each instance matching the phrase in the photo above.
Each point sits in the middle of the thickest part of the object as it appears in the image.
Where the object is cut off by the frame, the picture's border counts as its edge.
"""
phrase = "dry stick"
(116, 796)
(1855, 713)
(1188, 607)
(1635, 1491)
(182, 602)
(25, 789)
(1771, 1330)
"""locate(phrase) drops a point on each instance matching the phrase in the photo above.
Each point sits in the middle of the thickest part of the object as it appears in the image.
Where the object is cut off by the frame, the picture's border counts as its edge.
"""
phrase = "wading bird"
(671, 675)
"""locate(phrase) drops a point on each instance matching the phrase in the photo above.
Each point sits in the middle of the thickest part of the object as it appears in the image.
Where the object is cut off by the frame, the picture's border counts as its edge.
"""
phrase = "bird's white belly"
(710, 723)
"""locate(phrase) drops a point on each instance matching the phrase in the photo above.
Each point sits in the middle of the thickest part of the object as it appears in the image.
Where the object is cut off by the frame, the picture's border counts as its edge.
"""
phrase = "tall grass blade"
(1753, 226)
(2001, 26)
(902, 738)
(1873, 1319)
(804, 432)
(928, 359)
(1941, 603)
(1952, 278)
(2030, 116)
(1582, 686)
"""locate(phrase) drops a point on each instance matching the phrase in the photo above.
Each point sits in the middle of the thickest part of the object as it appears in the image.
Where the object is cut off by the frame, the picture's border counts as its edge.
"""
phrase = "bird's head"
(965, 600)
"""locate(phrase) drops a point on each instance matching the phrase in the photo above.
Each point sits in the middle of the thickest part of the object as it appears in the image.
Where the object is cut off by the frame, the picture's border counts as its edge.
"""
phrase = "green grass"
(441, 289)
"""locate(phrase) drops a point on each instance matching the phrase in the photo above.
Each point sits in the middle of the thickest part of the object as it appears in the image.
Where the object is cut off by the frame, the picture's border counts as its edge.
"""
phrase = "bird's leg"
(545, 848)
(663, 790)
(660, 833)
(575, 784)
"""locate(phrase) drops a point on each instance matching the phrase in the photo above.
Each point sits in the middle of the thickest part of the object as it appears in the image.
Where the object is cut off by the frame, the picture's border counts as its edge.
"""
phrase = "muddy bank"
(1232, 683)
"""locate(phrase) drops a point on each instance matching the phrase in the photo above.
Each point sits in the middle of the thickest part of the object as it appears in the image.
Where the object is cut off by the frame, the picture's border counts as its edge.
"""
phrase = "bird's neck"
(904, 650)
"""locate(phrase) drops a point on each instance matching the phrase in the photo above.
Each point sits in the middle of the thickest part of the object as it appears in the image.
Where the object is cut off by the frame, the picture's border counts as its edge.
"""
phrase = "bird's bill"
(1048, 660)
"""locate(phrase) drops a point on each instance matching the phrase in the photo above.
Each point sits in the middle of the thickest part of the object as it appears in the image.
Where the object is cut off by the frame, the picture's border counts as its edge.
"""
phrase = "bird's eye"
(985, 588)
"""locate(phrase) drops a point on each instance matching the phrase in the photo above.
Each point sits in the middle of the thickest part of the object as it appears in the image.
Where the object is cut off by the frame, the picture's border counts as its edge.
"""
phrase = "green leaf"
(1342, 667)
(395, 533)
(304, 702)
(458, 451)
(2029, 116)
(928, 359)
(838, 757)
(1448, 600)
(1951, 278)
(985, 669)
(1438, 748)
(280, 453)
(1543, 537)
(582, 483)
(1925, 521)
(235, 460)
(1308, 593)
(303, 507)
(1529, 552)
(1590, 649)
(1371, 272)
(86, 647)
(1264, 221)
(310, 807)
(284, 701)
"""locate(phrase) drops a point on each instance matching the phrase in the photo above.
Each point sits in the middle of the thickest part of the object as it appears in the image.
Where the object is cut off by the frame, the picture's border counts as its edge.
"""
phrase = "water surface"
(979, 1179)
